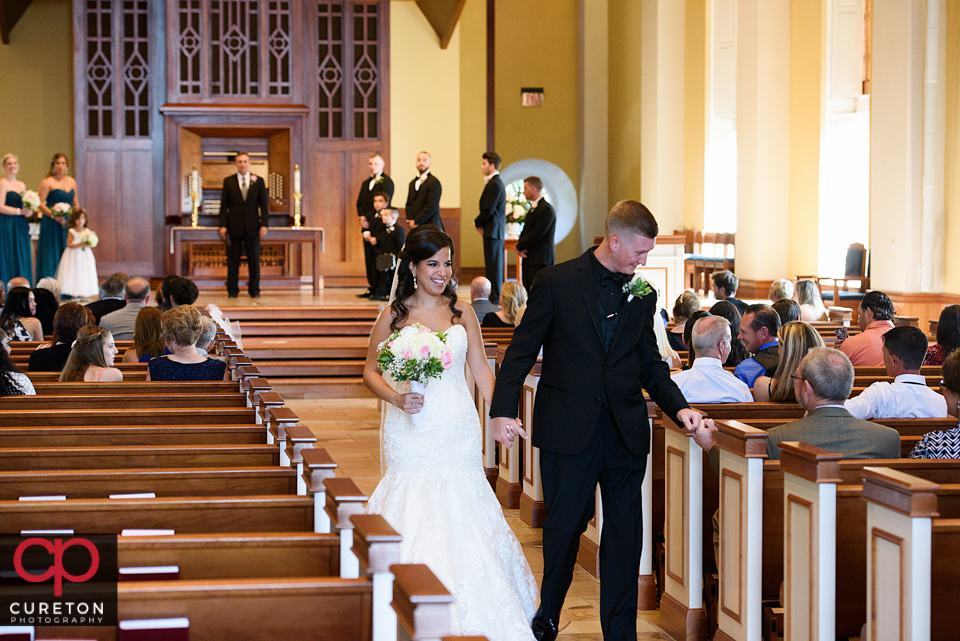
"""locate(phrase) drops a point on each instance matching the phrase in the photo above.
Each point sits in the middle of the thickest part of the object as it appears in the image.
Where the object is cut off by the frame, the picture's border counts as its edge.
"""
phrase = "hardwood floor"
(349, 430)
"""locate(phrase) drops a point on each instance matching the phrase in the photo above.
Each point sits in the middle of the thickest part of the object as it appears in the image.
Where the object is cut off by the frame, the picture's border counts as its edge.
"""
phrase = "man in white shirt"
(908, 395)
(707, 381)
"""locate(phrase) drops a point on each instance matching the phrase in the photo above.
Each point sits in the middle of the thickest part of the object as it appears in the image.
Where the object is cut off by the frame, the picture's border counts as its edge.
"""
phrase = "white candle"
(195, 181)
(296, 179)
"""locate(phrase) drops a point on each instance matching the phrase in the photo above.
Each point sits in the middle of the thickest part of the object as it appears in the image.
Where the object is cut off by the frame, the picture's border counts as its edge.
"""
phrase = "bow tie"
(611, 278)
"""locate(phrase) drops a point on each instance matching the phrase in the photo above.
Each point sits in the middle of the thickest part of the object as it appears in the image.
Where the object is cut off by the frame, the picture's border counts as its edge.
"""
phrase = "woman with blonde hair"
(796, 339)
(780, 288)
(147, 342)
(811, 305)
(180, 329)
(512, 297)
(687, 303)
(91, 359)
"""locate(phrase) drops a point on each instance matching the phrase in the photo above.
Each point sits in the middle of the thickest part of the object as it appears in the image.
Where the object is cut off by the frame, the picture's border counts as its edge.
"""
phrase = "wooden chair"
(855, 280)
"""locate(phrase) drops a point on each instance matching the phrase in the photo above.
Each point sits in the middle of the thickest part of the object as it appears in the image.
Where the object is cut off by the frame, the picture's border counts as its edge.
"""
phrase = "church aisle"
(349, 430)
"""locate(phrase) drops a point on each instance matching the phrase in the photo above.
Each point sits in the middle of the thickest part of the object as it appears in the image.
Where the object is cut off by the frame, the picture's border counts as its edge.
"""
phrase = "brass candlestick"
(296, 209)
(195, 197)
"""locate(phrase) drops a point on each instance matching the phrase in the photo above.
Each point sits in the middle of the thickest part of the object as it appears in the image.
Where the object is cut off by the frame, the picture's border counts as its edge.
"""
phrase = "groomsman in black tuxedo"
(423, 195)
(377, 183)
(243, 219)
(535, 245)
(590, 416)
(491, 223)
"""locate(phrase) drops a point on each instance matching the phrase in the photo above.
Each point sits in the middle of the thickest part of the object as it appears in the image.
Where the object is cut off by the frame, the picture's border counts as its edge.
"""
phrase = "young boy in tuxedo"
(387, 244)
(372, 227)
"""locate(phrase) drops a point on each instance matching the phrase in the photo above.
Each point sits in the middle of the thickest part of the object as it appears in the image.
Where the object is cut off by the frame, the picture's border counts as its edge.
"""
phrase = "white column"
(661, 111)
(594, 124)
(763, 138)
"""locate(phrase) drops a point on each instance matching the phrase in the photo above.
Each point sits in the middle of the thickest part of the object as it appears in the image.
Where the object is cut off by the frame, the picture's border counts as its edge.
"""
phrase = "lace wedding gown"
(435, 494)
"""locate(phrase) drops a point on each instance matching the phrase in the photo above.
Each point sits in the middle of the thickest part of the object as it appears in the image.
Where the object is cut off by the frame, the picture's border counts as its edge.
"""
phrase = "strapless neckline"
(68, 193)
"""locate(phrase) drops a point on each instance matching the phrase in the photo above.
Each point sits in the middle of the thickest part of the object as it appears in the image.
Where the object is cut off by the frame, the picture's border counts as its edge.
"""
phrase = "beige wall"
(37, 88)
(537, 48)
(696, 63)
(624, 101)
(951, 165)
(424, 115)
(473, 123)
(807, 72)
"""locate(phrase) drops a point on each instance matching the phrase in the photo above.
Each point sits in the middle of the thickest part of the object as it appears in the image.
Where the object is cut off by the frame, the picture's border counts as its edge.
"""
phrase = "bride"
(434, 491)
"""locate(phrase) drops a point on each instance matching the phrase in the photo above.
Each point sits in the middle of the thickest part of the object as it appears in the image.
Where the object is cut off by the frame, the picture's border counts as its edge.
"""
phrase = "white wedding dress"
(435, 494)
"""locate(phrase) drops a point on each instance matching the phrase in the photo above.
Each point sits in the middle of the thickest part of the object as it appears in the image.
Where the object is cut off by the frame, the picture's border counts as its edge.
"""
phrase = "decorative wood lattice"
(136, 70)
(188, 41)
(330, 68)
(278, 47)
(348, 70)
(100, 88)
(235, 47)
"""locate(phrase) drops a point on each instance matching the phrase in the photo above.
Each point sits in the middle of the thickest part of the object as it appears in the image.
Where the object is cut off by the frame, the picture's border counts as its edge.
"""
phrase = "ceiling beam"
(10, 13)
(443, 16)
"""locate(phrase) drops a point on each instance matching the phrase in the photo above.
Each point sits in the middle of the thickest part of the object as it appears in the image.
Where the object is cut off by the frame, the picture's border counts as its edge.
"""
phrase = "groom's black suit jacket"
(563, 315)
(239, 215)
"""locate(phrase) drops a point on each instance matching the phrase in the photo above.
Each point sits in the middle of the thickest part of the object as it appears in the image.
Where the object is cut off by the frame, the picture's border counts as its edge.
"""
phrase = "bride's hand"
(409, 403)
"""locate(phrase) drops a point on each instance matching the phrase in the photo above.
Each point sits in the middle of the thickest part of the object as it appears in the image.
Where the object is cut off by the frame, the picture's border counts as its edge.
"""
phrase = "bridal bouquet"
(63, 209)
(89, 238)
(415, 353)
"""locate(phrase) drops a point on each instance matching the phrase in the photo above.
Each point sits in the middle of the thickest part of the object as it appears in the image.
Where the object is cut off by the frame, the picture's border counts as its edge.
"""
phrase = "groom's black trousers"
(569, 484)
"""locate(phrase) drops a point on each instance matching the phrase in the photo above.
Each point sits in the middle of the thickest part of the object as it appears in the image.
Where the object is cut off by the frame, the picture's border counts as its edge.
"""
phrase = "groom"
(590, 417)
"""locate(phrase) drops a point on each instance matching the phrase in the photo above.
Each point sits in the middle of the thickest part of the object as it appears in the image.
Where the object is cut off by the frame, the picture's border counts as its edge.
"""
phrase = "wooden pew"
(122, 401)
(135, 457)
(94, 436)
(100, 483)
(134, 387)
(160, 416)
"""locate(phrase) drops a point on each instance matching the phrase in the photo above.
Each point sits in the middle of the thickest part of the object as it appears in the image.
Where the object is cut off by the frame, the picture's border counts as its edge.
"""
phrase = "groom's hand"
(505, 429)
(690, 419)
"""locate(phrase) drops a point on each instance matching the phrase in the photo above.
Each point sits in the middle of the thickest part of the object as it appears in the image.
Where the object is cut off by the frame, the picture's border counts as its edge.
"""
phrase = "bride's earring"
(414, 281)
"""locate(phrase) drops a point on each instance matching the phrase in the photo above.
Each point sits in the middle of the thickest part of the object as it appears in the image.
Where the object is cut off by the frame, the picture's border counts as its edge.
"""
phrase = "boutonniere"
(637, 287)
(378, 180)
(253, 178)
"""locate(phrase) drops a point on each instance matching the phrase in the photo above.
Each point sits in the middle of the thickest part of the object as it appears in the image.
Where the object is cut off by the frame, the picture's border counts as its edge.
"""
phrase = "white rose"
(518, 211)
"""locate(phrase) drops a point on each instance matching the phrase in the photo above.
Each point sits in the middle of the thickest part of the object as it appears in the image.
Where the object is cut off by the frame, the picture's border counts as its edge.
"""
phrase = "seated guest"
(208, 333)
(480, 295)
(147, 343)
(164, 299)
(512, 297)
(48, 300)
(948, 336)
(19, 281)
(13, 382)
(738, 352)
(811, 305)
(3, 292)
(67, 322)
(91, 359)
(687, 303)
(822, 384)
(707, 381)
(181, 330)
(797, 338)
(908, 396)
(780, 288)
(758, 331)
(183, 291)
(688, 335)
(725, 288)
(122, 322)
(667, 353)
(17, 318)
(875, 318)
(944, 443)
(788, 310)
(111, 298)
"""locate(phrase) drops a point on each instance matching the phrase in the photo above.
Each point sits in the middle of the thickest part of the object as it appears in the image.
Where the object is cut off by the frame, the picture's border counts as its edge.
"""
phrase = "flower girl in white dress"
(77, 271)
(434, 492)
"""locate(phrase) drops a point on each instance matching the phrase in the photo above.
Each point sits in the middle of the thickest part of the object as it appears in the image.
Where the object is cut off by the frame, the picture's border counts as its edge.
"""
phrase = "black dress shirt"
(611, 298)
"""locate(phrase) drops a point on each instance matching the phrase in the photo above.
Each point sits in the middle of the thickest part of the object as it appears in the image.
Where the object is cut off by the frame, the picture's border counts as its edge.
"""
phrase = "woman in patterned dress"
(948, 336)
(945, 443)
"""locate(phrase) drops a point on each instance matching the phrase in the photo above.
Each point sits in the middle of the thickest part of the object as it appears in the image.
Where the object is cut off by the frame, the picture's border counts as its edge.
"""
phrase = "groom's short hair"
(631, 216)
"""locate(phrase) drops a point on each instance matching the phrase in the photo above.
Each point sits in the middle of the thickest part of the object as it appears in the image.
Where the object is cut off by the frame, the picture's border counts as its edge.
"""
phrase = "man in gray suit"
(479, 297)
(122, 322)
(822, 384)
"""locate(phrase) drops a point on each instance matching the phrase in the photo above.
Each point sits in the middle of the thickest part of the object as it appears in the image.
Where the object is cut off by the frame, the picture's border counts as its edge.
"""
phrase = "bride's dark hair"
(422, 243)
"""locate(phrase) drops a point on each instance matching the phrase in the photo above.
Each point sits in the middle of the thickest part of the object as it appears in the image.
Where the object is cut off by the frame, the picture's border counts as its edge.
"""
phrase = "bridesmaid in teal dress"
(15, 259)
(57, 187)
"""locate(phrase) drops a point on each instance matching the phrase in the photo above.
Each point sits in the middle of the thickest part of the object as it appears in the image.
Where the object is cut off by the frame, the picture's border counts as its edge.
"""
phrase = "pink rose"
(424, 330)
(407, 353)
(425, 351)
(446, 359)
(390, 344)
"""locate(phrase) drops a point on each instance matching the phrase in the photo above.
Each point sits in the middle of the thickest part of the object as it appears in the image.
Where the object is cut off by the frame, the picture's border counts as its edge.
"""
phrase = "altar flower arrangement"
(63, 209)
(89, 238)
(415, 353)
(637, 287)
(31, 202)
